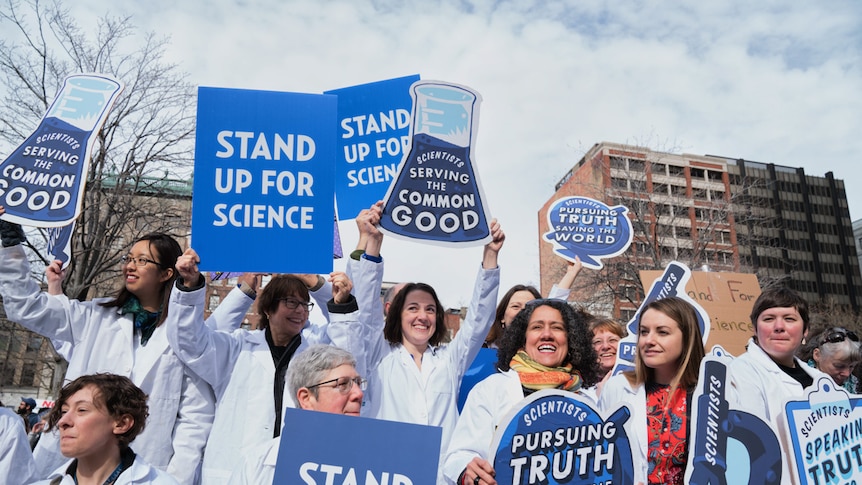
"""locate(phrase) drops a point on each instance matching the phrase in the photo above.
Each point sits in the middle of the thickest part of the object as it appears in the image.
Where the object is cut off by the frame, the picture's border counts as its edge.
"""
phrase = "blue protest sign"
(825, 435)
(323, 448)
(671, 283)
(264, 180)
(483, 366)
(555, 438)
(437, 196)
(374, 133)
(42, 182)
(589, 229)
(729, 446)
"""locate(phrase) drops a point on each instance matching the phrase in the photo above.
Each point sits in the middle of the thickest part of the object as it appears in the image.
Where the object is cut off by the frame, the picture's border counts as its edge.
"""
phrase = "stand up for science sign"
(264, 179)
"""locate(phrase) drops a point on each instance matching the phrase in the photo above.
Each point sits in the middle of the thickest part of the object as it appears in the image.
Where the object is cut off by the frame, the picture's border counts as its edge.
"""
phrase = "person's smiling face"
(660, 344)
(547, 341)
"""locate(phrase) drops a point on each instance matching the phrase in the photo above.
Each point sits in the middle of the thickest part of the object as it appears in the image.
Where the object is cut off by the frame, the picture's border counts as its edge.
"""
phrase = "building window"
(637, 166)
(34, 343)
(618, 162)
(214, 301)
(28, 375)
(658, 168)
(676, 170)
(697, 173)
(618, 183)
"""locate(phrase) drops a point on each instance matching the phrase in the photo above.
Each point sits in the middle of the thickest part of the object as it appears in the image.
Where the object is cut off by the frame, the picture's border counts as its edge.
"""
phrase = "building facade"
(716, 214)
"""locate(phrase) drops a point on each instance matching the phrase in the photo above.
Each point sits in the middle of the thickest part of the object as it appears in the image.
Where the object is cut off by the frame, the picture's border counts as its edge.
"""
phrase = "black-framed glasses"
(293, 303)
(839, 336)
(344, 384)
(139, 262)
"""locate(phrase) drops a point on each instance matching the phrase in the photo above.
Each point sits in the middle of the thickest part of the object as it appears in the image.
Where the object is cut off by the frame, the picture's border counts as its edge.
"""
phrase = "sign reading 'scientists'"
(264, 179)
(553, 437)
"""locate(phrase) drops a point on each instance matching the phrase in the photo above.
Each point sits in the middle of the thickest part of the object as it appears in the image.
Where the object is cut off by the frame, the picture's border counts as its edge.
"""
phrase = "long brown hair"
(688, 369)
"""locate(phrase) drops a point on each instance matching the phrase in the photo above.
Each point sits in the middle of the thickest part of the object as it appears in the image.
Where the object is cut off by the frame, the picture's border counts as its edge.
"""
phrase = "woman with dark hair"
(98, 416)
(248, 368)
(414, 375)
(124, 335)
(768, 374)
(658, 391)
(547, 346)
(514, 299)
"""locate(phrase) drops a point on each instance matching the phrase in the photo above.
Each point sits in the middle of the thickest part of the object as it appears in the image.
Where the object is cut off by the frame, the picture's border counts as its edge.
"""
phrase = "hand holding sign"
(187, 267)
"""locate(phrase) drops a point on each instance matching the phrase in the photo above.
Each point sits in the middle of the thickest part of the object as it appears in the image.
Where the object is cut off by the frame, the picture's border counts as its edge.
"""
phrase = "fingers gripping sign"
(187, 267)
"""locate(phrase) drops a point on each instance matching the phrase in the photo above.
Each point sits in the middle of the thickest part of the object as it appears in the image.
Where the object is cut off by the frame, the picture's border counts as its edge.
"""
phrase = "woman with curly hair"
(547, 346)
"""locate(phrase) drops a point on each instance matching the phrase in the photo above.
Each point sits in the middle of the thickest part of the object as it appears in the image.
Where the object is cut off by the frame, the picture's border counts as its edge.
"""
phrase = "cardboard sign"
(727, 446)
(671, 282)
(264, 181)
(437, 196)
(728, 299)
(824, 435)
(323, 448)
(555, 438)
(589, 229)
(374, 135)
(42, 182)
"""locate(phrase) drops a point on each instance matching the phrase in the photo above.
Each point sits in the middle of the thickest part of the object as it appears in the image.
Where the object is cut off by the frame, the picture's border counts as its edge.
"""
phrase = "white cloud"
(768, 81)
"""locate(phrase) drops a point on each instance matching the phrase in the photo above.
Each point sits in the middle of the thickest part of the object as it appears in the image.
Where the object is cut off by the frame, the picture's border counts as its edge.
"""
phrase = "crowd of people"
(156, 393)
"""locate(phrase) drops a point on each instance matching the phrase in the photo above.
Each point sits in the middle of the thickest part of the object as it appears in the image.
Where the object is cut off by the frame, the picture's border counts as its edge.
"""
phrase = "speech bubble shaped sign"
(588, 229)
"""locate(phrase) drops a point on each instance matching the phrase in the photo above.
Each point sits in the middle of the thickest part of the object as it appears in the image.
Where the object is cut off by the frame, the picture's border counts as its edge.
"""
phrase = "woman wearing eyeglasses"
(546, 346)
(247, 368)
(323, 378)
(836, 352)
(123, 335)
(768, 374)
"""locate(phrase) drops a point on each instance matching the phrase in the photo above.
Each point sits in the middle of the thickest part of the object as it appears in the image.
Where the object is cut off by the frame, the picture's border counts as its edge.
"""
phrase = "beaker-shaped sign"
(436, 195)
(42, 181)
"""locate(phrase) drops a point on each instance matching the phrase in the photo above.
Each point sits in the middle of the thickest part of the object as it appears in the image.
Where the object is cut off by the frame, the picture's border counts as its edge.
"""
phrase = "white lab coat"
(259, 465)
(761, 388)
(181, 405)
(616, 392)
(240, 369)
(16, 459)
(488, 403)
(398, 390)
(139, 473)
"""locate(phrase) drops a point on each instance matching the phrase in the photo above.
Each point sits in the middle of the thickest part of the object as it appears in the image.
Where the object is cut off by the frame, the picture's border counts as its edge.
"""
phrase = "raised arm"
(562, 290)
(208, 353)
(480, 315)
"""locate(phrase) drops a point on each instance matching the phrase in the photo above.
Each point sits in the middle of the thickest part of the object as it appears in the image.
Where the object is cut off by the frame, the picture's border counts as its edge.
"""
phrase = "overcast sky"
(769, 81)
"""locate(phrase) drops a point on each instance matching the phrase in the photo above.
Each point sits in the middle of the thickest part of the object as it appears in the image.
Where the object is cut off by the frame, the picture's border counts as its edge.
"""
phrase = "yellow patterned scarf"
(536, 377)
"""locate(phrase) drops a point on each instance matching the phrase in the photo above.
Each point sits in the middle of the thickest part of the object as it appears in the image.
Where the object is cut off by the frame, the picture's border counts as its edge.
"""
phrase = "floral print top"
(667, 422)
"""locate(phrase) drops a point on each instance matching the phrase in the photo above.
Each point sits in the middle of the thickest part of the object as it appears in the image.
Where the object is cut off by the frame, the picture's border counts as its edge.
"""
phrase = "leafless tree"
(143, 152)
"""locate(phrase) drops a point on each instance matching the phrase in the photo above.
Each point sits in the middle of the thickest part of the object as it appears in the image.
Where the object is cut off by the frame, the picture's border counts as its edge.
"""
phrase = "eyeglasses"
(293, 303)
(138, 262)
(344, 384)
(839, 336)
